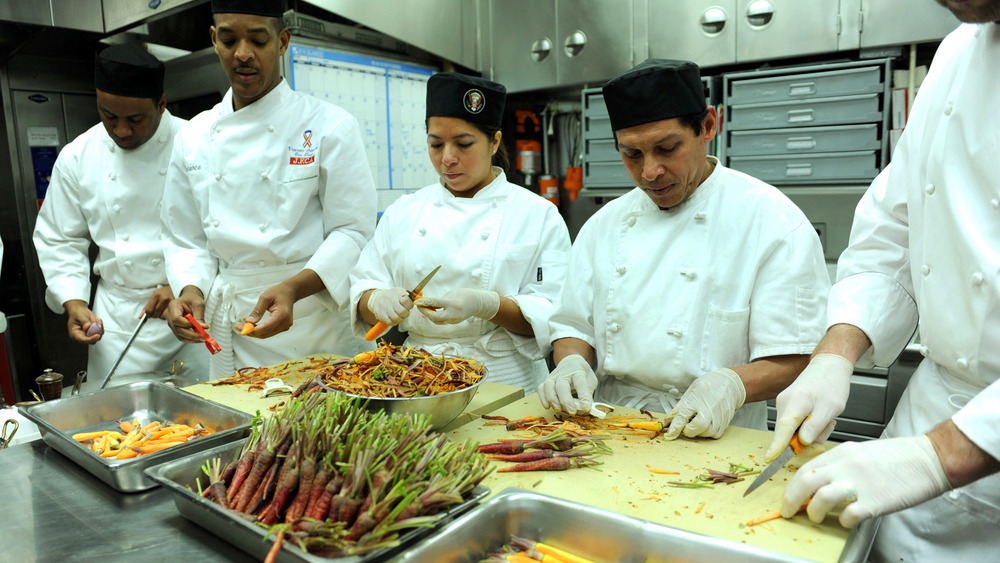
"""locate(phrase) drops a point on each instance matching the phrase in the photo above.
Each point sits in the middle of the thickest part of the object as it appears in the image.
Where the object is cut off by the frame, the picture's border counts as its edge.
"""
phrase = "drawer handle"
(800, 143)
(802, 89)
(800, 115)
(803, 169)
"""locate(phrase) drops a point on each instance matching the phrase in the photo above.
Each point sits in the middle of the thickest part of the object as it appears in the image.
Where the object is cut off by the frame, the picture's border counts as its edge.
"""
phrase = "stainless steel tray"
(176, 476)
(148, 401)
(593, 533)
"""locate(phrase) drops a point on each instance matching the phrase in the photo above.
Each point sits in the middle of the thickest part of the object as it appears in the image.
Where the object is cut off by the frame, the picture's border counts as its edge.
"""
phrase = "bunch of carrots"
(135, 440)
(337, 480)
(524, 550)
(557, 451)
(400, 371)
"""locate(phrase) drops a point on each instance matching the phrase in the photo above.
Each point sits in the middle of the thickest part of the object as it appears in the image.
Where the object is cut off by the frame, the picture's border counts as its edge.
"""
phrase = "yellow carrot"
(662, 472)
(84, 436)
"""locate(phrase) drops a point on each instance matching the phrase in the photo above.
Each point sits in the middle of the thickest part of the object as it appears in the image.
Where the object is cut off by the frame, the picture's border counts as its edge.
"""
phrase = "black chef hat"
(266, 8)
(655, 90)
(473, 99)
(128, 70)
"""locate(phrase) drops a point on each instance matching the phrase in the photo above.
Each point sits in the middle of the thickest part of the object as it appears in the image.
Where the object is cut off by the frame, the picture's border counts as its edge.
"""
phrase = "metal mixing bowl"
(441, 409)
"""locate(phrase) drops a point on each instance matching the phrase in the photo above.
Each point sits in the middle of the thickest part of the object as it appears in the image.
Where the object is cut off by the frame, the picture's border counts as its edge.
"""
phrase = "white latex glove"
(460, 304)
(391, 305)
(818, 394)
(572, 374)
(708, 406)
(873, 478)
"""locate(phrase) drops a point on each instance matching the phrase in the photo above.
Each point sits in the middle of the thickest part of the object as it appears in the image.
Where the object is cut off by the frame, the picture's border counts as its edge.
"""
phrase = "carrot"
(84, 436)
(272, 555)
(510, 447)
(283, 494)
(241, 472)
(318, 487)
(217, 491)
(662, 472)
(265, 492)
(126, 426)
(149, 427)
(650, 425)
(533, 455)
(323, 505)
(307, 471)
(247, 329)
(260, 466)
(775, 515)
(126, 453)
(150, 448)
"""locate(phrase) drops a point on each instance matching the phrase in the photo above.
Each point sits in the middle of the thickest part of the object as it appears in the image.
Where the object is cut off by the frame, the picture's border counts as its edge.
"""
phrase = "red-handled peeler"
(210, 342)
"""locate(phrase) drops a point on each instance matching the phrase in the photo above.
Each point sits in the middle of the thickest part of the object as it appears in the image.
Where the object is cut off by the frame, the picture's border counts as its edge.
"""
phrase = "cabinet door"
(524, 43)
(895, 22)
(594, 40)
(702, 31)
(770, 29)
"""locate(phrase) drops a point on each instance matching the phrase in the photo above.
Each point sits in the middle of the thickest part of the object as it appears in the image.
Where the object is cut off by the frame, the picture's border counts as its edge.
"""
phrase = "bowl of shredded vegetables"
(407, 380)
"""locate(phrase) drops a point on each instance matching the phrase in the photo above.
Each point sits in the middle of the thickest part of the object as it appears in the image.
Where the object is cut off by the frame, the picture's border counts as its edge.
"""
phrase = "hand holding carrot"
(277, 302)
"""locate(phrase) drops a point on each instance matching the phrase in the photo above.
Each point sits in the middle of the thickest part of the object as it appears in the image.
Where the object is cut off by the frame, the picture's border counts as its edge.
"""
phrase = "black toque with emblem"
(128, 70)
(477, 100)
(266, 8)
(654, 90)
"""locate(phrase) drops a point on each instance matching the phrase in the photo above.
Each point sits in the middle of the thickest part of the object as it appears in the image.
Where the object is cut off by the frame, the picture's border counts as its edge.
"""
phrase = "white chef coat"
(926, 239)
(103, 194)
(504, 239)
(255, 196)
(734, 274)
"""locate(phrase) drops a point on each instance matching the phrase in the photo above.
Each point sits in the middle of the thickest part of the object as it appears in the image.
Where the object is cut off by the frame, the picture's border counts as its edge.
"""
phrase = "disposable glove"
(391, 305)
(708, 406)
(816, 396)
(874, 478)
(572, 374)
(460, 304)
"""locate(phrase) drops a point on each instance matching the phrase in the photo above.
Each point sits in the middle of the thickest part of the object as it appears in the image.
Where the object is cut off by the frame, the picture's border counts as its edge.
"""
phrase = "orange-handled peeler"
(210, 342)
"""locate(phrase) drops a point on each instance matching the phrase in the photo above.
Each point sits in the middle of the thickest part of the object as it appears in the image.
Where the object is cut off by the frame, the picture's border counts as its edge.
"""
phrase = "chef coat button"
(953, 494)
(112, 148)
(484, 236)
(125, 237)
(977, 278)
(963, 363)
(618, 376)
(699, 216)
(262, 227)
(263, 176)
(155, 261)
(688, 273)
(270, 128)
(929, 189)
(621, 270)
(631, 221)
(924, 351)
(261, 263)
(218, 177)
(112, 176)
(476, 273)
(215, 224)
(614, 327)
(948, 107)
(995, 203)
(128, 263)
(218, 129)
(495, 205)
(422, 231)
(163, 171)
(674, 392)
(925, 269)
(667, 386)
(437, 204)
(116, 208)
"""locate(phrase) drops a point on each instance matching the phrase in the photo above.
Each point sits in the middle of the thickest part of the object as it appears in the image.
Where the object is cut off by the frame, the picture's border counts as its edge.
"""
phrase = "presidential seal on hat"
(266, 8)
(654, 90)
(128, 70)
(478, 100)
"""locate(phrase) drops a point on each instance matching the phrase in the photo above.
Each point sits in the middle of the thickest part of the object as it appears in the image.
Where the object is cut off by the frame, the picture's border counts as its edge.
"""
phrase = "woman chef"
(702, 281)
(502, 249)
(270, 199)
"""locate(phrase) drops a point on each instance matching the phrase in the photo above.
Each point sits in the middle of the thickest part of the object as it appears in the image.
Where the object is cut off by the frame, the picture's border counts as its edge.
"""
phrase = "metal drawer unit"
(818, 124)
(603, 172)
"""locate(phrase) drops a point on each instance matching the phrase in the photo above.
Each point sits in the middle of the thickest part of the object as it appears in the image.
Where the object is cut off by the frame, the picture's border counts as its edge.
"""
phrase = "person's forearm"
(847, 341)
(962, 460)
(510, 317)
(73, 305)
(763, 379)
(305, 283)
(363, 311)
(569, 346)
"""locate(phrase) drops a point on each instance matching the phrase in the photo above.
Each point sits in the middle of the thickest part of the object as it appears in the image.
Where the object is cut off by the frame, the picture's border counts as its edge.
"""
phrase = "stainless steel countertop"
(53, 510)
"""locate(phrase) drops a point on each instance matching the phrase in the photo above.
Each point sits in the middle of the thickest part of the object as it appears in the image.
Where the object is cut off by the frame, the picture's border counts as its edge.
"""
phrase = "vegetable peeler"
(600, 412)
(210, 342)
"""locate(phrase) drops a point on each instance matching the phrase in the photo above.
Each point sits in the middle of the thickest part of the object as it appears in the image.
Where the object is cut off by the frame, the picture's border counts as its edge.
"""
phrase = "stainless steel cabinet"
(769, 29)
(547, 43)
(894, 22)
(703, 31)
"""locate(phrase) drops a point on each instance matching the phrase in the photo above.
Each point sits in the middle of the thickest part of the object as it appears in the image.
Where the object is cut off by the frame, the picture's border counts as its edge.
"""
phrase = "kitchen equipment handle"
(125, 349)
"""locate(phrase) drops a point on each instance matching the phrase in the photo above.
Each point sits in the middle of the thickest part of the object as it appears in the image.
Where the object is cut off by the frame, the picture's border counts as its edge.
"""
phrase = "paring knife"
(380, 326)
(125, 349)
(794, 447)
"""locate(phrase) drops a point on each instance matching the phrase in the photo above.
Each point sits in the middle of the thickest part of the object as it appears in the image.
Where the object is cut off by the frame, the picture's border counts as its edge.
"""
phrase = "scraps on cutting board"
(623, 427)
(556, 451)
(290, 372)
(737, 472)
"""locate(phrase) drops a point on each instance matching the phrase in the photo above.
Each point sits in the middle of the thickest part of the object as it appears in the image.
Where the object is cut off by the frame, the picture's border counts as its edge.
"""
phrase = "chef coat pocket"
(299, 189)
(514, 259)
(724, 342)
(301, 177)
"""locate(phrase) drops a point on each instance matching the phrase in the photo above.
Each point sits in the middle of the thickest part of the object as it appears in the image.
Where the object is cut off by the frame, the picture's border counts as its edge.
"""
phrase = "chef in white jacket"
(502, 249)
(105, 189)
(270, 201)
(924, 253)
(697, 294)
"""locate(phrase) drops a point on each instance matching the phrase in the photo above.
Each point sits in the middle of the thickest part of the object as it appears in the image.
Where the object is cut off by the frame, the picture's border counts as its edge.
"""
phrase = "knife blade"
(125, 349)
(794, 447)
(380, 326)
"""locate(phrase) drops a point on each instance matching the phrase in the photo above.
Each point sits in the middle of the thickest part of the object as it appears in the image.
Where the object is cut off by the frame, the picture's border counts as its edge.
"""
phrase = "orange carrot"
(127, 453)
(149, 427)
(775, 515)
(247, 329)
(150, 448)
(125, 425)
(272, 555)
